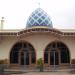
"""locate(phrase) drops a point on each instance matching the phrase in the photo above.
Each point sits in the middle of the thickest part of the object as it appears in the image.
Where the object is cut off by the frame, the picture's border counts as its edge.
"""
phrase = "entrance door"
(24, 58)
(54, 58)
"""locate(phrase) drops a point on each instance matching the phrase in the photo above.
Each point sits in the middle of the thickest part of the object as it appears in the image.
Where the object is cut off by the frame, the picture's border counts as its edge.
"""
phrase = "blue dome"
(39, 18)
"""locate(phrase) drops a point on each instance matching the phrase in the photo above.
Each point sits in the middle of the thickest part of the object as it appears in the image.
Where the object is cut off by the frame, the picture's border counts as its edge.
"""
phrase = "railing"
(22, 69)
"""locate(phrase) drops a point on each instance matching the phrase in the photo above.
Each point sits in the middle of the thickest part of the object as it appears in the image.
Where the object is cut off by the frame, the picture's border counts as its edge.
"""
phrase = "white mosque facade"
(38, 40)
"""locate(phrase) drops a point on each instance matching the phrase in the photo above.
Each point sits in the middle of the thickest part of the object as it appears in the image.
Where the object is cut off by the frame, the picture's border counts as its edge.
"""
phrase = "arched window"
(23, 53)
(14, 54)
(55, 53)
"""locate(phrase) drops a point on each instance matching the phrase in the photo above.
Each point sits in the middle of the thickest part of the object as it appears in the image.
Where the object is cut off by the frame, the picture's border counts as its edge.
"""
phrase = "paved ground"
(46, 73)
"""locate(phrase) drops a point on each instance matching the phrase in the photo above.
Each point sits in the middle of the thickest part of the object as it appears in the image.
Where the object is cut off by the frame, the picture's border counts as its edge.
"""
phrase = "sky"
(16, 12)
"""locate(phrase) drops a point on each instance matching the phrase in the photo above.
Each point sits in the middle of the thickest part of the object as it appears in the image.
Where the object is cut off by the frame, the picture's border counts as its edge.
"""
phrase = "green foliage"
(40, 64)
(4, 61)
(73, 61)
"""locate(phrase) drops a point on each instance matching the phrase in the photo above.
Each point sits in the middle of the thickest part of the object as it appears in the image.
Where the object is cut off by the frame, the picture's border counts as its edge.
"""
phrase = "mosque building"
(38, 40)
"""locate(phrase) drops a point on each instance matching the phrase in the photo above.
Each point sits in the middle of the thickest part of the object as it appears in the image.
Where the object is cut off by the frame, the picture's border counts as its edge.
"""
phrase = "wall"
(38, 40)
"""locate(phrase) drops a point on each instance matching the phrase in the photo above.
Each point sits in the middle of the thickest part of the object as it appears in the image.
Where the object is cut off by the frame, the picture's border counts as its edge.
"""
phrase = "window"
(21, 53)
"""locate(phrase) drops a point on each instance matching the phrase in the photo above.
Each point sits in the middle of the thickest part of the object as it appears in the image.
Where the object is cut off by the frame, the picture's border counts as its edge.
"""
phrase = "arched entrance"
(54, 57)
(56, 53)
(23, 53)
(24, 57)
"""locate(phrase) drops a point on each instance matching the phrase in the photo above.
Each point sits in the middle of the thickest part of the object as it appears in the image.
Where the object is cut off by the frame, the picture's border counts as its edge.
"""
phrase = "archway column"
(49, 58)
(30, 58)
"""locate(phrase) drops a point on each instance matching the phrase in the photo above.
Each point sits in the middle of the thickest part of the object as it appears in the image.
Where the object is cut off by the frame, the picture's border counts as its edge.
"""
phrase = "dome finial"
(39, 4)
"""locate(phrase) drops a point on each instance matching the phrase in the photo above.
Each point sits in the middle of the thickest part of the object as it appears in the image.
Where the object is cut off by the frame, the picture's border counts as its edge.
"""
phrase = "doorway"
(23, 53)
(24, 58)
(54, 57)
(56, 53)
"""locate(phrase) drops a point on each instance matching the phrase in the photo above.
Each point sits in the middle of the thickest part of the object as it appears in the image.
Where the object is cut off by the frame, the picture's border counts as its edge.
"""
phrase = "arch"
(20, 48)
(60, 50)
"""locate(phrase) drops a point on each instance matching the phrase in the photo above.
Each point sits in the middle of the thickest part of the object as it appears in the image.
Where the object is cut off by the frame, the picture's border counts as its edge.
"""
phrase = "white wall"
(39, 42)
